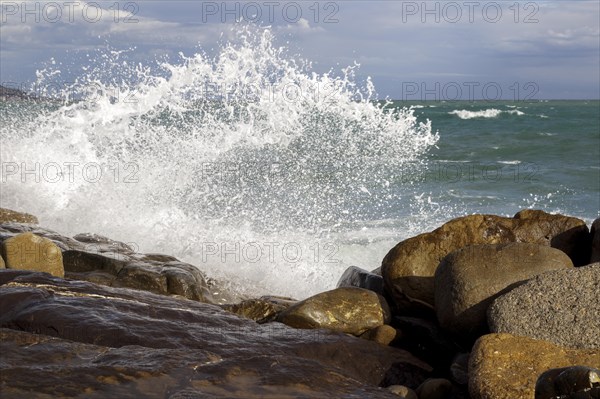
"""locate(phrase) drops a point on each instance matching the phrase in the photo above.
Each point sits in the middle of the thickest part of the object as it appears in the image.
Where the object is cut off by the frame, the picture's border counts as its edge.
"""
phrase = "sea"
(273, 178)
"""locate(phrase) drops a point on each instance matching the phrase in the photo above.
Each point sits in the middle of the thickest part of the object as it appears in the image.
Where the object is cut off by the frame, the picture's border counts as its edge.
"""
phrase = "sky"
(412, 50)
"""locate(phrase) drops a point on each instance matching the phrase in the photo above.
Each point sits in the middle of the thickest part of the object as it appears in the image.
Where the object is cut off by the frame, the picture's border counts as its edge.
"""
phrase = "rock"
(595, 232)
(8, 230)
(28, 251)
(261, 310)
(157, 274)
(357, 277)
(567, 381)
(97, 243)
(409, 267)
(459, 369)
(72, 338)
(560, 307)
(468, 280)
(383, 335)
(426, 340)
(349, 309)
(403, 392)
(101, 260)
(2, 265)
(7, 216)
(435, 388)
(508, 366)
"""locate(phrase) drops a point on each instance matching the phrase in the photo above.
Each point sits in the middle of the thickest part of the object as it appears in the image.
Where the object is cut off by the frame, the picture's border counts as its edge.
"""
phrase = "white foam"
(175, 141)
(516, 162)
(487, 113)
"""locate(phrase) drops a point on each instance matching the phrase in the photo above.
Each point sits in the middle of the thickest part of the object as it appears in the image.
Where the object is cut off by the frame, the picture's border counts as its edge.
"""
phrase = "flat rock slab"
(113, 342)
(561, 307)
(504, 366)
(409, 267)
(468, 280)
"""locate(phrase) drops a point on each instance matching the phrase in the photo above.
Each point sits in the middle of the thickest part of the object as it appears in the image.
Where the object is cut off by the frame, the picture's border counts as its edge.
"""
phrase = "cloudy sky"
(412, 50)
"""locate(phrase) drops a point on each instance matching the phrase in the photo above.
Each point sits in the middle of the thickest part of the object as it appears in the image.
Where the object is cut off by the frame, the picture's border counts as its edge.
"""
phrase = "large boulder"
(357, 277)
(468, 280)
(504, 366)
(66, 338)
(409, 267)
(595, 231)
(349, 309)
(27, 251)
(560, 307)
(7, 216)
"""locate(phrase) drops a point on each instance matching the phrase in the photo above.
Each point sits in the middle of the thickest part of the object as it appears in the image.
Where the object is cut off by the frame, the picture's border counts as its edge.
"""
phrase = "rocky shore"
(484, 307)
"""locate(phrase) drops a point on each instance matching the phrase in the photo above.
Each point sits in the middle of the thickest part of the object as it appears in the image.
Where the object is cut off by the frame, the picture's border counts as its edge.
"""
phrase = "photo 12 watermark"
(291, 12)
(68, 12)
(453, 12)
(455, 172)
(272, 252)
(469, 91)
(70, 172)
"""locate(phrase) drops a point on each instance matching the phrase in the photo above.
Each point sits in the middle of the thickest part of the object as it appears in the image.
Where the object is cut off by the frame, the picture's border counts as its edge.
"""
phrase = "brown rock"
(28, 251)
(348, 309)
(383, 335)
(2, 265)
(504, 366)
(468, 280)
(9, 216)
(409, 267)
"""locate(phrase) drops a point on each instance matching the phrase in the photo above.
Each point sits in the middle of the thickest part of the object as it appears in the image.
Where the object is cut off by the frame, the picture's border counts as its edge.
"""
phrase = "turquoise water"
(547, 157)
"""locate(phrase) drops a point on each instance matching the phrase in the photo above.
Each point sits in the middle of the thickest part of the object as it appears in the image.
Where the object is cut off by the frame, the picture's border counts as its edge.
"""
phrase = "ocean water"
(272, 177)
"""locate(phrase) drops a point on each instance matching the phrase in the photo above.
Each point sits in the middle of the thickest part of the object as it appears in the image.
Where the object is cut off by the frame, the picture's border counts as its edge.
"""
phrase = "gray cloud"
(553, 43)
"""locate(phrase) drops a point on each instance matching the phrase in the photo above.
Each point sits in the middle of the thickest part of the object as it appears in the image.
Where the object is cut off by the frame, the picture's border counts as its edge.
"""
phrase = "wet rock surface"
(357, 277)
(126, 343)
(124, 324)
(468, 280)
(98, 259)
(560, 307)
(508, 366)
(348, 309)
(409, 267)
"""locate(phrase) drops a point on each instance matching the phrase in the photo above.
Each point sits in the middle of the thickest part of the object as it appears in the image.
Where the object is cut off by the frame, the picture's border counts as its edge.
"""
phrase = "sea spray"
(248, 164)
